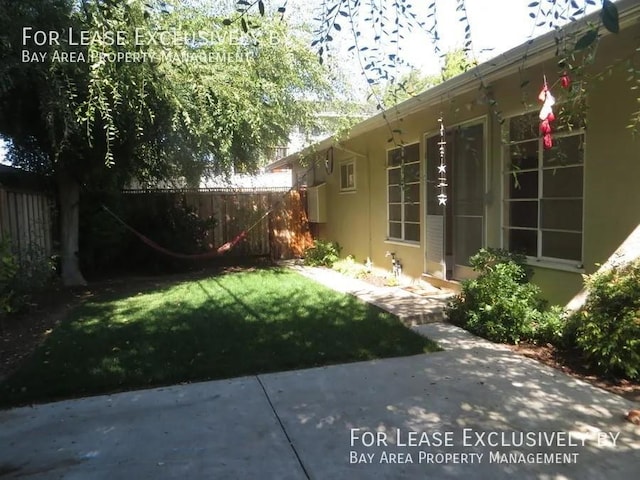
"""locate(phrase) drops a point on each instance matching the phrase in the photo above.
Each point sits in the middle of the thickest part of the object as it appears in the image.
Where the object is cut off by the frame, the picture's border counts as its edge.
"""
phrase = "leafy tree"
(192, 96)
(413, 82)
(385, 24)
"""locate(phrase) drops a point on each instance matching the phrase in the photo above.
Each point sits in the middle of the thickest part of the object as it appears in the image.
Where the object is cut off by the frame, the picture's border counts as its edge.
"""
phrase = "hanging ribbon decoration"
(442, 168)
(546, 112)
(546, 115)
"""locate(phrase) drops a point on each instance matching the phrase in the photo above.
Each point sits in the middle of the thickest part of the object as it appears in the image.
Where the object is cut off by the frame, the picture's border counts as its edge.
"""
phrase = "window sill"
(348, 190)
(551, 265)
(402, 243)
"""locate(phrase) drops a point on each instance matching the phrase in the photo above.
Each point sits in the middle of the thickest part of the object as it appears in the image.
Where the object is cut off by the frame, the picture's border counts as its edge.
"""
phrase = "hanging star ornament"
(442, 168)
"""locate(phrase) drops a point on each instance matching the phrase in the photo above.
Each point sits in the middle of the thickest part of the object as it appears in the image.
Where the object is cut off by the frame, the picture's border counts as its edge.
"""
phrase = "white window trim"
(540, 260)
(351, 161)
(403, 241)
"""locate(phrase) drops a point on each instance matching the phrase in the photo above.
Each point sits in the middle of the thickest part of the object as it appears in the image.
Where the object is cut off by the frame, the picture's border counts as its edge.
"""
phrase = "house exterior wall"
(358, 220)
(612, 209)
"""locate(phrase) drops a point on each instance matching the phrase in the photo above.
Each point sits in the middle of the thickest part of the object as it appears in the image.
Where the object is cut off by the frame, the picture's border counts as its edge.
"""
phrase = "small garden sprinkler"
(368, 265)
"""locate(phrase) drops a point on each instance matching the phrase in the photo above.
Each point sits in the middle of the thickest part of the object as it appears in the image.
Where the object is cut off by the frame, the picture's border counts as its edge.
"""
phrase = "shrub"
(322, 254)
(349, 267)
(8, 272)
(608, 327)
(166, 219)
(391, 281)
(171, 223)
(551, 327)
(501, 305)
(487, 258)
(22, 276)
(103, 240)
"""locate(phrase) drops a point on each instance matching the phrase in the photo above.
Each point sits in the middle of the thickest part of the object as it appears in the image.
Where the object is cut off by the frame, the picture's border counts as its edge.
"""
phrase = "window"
(403, 193)
(348, 176)
(544, 192)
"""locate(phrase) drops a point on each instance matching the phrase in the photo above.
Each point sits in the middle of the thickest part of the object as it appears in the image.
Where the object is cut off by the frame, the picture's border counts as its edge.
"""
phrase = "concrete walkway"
(412, 309)
(460, 413)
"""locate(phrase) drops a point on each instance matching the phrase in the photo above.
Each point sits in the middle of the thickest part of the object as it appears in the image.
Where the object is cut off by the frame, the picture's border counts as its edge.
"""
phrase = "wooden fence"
(26, 214)
(283, 233)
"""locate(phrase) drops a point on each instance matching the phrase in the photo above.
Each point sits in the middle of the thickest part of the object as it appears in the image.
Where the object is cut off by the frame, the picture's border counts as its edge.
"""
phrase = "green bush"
(8, 272)
(171, 223)
(103, 240)
(608, 327)
(22, 276)
(349, 267)
(322, 254)
(551, 327)
(487, 258)
(166, 219)
(501, 305)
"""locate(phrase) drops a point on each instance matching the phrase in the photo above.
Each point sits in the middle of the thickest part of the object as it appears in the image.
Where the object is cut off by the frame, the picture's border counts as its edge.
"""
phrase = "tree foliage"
(205, 96)
(376, 30)
(414, 82)
(175, 94)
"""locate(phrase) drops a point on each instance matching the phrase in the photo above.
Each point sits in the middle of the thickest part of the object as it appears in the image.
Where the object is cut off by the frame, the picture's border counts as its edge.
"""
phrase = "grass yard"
(224, 326)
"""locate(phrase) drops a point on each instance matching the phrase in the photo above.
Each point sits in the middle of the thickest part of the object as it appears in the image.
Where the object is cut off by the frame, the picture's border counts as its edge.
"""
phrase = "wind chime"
(442, 196)
(442, 168)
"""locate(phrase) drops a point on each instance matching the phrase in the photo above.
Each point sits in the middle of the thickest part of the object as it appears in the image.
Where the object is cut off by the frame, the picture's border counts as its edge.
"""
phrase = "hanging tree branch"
(388, 20)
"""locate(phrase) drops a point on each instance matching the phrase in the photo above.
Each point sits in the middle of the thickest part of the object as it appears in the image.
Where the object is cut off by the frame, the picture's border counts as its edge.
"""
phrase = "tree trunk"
(69, 197)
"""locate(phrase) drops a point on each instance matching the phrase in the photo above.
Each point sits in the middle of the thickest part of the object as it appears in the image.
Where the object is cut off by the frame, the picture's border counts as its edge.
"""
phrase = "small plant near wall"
(349, 267)
(501, 304)
(8, 271)
(22, 276)
(322, 254)
(607, 329)
(391, 281)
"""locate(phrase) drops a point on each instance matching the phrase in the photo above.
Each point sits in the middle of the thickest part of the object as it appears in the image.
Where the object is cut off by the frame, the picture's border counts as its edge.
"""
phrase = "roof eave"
(534, 51)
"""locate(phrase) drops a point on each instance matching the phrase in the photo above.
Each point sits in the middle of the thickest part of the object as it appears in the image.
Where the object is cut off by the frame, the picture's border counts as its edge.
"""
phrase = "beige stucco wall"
(612, 180)
(358, 220)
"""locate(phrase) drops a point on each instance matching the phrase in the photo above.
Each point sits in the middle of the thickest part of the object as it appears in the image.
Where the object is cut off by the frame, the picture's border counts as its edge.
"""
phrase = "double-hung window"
(403, 190)
(543, 196)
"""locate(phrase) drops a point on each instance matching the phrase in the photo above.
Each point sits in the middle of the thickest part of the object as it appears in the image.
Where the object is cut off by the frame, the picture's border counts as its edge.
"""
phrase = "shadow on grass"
(226, 326)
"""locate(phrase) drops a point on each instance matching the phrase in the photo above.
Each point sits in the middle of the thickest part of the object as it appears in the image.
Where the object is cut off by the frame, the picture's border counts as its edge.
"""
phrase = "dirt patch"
(375, 280)
(572, 363)
(22, 333)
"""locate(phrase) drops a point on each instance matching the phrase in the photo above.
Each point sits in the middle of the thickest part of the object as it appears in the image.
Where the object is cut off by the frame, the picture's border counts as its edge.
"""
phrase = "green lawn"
(224, 326)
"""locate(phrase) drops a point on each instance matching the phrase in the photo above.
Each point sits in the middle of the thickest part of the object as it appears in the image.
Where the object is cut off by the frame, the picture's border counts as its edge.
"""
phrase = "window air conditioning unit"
(317, 203)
